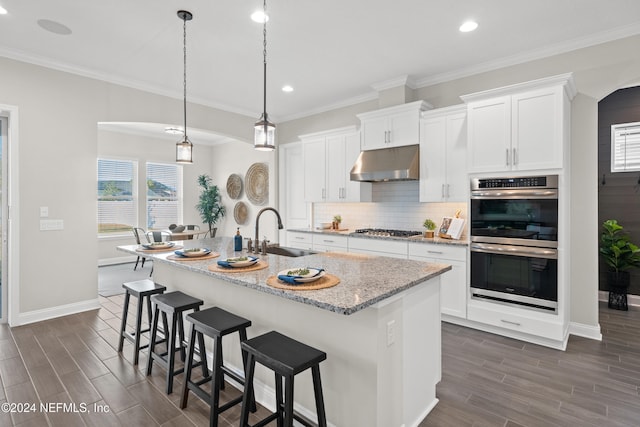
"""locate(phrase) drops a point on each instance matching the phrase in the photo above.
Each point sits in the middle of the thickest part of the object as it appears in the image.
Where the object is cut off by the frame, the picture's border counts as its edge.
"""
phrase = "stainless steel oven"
(514, 240)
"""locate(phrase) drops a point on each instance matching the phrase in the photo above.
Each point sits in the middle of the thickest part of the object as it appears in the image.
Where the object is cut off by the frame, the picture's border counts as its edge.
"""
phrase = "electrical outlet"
(391, 338)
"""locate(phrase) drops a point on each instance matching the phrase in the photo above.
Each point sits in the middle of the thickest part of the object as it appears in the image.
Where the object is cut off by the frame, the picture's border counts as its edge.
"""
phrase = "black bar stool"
(286, 357)
(215, 323)
(173, 303)
(141, 289)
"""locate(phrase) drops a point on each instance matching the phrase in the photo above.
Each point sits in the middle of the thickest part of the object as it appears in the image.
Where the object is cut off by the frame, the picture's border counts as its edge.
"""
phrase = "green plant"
(429, 224)
(337, 218)
(209, 206)
(616, 247)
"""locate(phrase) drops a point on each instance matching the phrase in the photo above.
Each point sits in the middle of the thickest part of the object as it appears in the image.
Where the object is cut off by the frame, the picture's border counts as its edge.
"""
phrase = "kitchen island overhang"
(380, 328)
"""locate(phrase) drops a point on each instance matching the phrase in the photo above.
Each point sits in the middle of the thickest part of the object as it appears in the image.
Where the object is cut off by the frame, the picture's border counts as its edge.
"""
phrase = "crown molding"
(404, 80)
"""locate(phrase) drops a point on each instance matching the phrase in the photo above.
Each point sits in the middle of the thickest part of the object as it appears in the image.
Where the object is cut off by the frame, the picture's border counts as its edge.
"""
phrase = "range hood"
(388, 164)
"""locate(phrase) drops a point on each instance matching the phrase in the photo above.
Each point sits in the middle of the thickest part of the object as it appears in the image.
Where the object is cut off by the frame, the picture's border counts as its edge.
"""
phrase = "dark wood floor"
(487, 380)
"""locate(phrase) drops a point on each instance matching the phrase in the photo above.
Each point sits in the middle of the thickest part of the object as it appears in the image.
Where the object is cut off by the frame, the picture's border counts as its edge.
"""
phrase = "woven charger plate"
(257, 183)
(240, 213)
(326, 281)
(153, 251)
(260, 265)
(194, 258)
(234, 186)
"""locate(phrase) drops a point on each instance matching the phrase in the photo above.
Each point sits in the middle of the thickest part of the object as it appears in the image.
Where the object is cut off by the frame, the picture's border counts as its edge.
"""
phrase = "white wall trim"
(633, 300)
(585, 331)
(52, 312)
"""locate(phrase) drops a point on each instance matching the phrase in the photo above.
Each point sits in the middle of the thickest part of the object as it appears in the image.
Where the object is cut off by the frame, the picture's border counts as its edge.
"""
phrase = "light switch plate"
(51, 224)
(44, 211)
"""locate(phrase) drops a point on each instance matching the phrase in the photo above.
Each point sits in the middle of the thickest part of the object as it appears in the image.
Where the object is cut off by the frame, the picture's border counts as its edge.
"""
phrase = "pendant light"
(184, 148)
(265, 131)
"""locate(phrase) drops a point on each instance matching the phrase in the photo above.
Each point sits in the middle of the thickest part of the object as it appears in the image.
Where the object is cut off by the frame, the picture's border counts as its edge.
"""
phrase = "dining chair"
(193, 227)
(158, 236)
(137, 232)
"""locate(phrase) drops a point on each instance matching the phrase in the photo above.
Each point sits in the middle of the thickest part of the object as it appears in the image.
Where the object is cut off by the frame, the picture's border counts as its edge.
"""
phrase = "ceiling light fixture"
(287, 88)
(468, 26)
(3, 11)
(184, 148)
(172, 130)
(265, 131)
(259, 16)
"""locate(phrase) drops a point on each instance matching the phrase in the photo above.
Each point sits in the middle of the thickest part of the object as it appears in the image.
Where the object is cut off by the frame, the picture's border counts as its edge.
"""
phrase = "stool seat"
(172, 304)
(215, 323)
(286, 357)
(141, 289)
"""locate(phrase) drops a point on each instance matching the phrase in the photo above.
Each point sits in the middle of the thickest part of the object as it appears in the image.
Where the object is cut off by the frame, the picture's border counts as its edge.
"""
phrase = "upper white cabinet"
(328, 159)
(443, 155)
(522, 127)
(392, 127)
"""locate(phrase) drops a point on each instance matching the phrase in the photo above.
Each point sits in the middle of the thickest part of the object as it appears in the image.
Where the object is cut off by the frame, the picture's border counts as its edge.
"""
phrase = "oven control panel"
(547, 181)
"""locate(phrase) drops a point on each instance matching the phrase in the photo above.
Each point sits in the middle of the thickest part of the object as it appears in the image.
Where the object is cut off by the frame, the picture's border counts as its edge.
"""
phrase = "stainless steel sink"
(290, 252)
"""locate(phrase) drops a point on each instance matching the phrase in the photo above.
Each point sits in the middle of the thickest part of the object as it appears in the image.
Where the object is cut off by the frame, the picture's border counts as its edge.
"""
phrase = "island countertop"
(364, 279)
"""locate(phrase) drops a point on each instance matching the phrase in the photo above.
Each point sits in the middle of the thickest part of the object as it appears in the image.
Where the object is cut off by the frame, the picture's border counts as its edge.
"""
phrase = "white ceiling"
(333, 52)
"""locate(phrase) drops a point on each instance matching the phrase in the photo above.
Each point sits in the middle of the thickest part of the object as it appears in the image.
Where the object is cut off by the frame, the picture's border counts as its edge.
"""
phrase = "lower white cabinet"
(329, 243)
(390, 248)
(453, 284)
(299, 240)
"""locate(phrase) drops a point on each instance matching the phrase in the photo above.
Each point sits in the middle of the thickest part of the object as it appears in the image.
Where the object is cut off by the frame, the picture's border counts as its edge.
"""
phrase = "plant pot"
(618, 284)
(429, 234)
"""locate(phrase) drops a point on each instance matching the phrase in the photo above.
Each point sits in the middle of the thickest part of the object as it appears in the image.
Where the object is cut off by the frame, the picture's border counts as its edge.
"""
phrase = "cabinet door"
(453, 289)
(354, 191)
(315, 171)
(336, 165)
(292, 203)
(457, 177)
(374, 133)
(432, 159)
(404, 129)
(537, 129)
(489, 135)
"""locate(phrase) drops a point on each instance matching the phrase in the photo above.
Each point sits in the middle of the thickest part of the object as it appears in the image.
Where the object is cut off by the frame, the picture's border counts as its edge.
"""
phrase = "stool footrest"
(266, 420)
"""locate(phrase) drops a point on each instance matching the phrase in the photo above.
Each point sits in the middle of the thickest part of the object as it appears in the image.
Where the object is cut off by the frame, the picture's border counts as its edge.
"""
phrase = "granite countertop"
(364, 279)
(417, 239)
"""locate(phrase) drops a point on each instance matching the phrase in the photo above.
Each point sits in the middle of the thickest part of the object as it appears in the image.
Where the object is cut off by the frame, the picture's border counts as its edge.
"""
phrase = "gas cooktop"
(387, 233)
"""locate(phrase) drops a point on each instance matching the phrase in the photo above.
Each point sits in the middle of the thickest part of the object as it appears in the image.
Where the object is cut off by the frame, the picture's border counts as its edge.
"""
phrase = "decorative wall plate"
(240, 213)
(234, 186)
(257, 183)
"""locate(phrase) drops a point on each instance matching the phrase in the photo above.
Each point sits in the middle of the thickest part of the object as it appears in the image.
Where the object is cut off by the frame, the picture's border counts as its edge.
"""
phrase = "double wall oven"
(514, 240)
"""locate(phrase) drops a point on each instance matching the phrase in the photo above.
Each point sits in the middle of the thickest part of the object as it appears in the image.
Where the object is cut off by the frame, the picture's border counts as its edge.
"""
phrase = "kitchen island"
(380, 327)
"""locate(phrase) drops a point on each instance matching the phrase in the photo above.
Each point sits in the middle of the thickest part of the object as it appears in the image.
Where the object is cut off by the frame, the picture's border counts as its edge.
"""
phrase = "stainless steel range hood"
(388, 164)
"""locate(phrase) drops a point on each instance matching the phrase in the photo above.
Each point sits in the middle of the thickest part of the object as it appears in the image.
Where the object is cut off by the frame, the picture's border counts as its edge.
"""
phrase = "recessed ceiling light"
(468, 26)
(173, 130)
(259, 16)
(3, 11)
(287, 88)
(54, 27)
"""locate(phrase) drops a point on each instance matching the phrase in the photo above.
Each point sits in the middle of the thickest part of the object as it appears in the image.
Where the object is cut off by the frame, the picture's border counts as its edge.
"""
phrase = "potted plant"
(430, 226)
(209, 206)
(620, 255)
(337, 219)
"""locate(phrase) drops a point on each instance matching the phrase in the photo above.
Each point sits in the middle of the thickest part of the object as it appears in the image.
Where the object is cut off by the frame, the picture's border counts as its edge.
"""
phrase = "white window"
(625, 147)
(117, 196)
(164, 195)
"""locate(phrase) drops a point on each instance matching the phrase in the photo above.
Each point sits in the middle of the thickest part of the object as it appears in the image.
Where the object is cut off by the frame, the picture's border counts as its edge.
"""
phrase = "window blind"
(117, 198)
(625, 147)
(164, 195)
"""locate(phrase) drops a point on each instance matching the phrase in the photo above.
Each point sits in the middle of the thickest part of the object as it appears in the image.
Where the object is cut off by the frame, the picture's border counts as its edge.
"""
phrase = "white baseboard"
(585, 331)
(633, 300)
(118, 260)
(52, 312)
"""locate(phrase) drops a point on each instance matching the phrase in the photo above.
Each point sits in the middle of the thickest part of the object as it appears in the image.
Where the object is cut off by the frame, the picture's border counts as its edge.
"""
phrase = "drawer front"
(534, 324)
(299, 240)
(333, 241)
(426, 250)
(374, 246)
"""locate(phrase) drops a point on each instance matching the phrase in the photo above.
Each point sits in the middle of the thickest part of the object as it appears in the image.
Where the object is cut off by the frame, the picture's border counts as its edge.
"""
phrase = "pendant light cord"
(184, 49)
(264, 55)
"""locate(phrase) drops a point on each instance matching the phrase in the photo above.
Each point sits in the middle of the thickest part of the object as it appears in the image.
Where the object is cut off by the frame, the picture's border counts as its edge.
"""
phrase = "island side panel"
(361, 370)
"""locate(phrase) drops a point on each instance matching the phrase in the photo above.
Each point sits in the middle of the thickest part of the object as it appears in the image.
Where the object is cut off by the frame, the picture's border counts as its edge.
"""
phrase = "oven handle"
(514, 194)
(533, 252)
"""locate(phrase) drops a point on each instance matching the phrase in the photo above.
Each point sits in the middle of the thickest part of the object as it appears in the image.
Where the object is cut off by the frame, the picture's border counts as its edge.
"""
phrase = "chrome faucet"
(280, 226)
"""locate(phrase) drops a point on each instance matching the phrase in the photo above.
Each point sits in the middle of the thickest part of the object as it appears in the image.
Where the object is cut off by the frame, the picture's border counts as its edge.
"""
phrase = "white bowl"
(323, 225)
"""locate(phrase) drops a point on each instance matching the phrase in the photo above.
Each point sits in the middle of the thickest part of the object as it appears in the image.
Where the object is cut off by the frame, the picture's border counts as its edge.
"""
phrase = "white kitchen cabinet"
(453, 284)
(328, 159)
(327, 242)
(292, 206)
(380, 247)
(519, 128)
(443, 155)
(296, 239)
(391, 127)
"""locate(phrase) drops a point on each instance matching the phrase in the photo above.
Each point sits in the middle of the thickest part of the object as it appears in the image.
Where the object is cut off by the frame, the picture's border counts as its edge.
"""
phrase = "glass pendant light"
(184, 148)
(265, 131)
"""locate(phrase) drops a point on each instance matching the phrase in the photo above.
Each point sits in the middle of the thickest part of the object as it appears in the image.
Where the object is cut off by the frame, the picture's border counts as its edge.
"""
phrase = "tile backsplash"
(395, 206)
